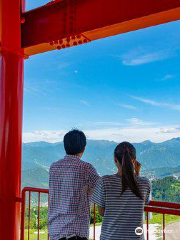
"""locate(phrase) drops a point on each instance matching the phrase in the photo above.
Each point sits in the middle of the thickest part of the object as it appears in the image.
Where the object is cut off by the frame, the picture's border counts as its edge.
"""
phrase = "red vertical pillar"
(11, 98)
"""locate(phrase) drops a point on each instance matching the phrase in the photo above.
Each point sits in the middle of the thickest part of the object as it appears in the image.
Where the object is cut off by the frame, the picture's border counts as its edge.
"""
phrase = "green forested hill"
(166, 189)
(37, 177)
(162, 172)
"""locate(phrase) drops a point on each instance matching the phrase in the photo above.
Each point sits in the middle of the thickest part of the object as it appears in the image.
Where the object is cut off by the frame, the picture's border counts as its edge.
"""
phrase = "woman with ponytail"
(121, 197)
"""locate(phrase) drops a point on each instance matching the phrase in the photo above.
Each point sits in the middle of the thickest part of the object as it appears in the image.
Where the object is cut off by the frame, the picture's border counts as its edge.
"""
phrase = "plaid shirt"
(70, 183)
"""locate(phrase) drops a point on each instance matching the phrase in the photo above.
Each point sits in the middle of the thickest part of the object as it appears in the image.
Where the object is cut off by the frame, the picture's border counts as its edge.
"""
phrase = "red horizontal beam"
(162, 210)
(164, 204)
(94, 18)
(35, 190)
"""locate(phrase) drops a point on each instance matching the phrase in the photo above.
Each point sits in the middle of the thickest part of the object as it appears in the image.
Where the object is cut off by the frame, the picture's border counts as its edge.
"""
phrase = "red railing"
(153, 207)
(23, 209)
(39, 191)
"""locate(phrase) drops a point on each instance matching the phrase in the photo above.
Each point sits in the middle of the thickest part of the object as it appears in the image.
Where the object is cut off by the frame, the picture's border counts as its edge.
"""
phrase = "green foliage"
(37, 177)
(97, 216)
(43, 214)
(166, 189)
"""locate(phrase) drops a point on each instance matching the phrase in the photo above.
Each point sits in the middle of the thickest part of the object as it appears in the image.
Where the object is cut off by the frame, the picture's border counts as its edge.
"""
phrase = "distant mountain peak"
(177, 139)
(37, 144)
(100, 154)
(173, 140)
(147, 142)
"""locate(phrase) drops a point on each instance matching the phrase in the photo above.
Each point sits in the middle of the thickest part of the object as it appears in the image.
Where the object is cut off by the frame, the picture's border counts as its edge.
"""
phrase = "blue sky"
(121, 88)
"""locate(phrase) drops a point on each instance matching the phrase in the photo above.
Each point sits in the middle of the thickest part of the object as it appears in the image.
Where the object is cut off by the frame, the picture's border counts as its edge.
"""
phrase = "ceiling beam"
(94, 19)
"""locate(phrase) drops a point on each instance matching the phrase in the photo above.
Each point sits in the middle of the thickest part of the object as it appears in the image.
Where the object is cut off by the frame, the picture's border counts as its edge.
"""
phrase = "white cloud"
(63, 65)
(84, 102)
(100, 123)
(136, 121)
(31, 90)
(47, 136)
(129, 133)
(127, 106)
(167, 77)
(33, 87)
(141, 56)
(158, 104)
(126, 122)
(167, 130)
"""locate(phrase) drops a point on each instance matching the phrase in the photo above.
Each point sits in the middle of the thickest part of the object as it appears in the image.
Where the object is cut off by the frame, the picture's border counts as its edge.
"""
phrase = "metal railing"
(153, 207)
(163, 208)
(30, 190)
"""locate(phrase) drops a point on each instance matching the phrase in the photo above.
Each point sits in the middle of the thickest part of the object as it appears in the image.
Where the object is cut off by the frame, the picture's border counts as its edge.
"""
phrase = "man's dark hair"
(74, 142)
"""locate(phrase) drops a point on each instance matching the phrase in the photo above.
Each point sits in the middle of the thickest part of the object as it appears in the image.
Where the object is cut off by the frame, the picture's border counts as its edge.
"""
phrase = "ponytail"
(125, 153)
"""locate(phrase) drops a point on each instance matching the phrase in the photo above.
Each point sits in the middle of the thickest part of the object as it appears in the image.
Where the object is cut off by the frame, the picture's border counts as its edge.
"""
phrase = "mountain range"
(161, 158)
(100, 154)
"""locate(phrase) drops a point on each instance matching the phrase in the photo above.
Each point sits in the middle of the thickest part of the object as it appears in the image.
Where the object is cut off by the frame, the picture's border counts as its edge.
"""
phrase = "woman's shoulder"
(144, 180)
(109, 178)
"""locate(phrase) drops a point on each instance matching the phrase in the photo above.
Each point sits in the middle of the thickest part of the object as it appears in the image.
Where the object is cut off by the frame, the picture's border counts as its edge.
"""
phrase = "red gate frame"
(59, 24)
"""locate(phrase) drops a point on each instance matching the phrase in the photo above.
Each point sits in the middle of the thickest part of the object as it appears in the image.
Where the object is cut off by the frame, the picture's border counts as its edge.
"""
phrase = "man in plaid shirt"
(71, 182)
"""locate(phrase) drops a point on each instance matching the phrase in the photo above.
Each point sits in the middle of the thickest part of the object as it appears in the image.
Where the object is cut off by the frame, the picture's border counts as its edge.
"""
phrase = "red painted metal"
(38, 212)
(24, 193)
(94, 223)
(52, 23)
(147, 223)
(162, 210)
(154, 207)
(35, 190)
(23, 209)
(48, 205)
(164, 204)
(29, 215)
(38, 191)
(94, 18)
(163, 226)
(11, 98)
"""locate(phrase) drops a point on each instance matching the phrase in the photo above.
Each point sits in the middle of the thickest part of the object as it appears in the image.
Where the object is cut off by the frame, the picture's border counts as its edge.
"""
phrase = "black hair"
(125, 153)
(74, 142)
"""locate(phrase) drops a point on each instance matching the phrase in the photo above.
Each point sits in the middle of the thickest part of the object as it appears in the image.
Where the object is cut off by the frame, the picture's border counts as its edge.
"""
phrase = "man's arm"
(99, 197)
(93, 177)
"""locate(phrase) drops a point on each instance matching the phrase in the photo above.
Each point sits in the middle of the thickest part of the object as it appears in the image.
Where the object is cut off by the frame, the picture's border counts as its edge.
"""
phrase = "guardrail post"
(163, 226)
(23, 209)
(147, 222)
(94, 223)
